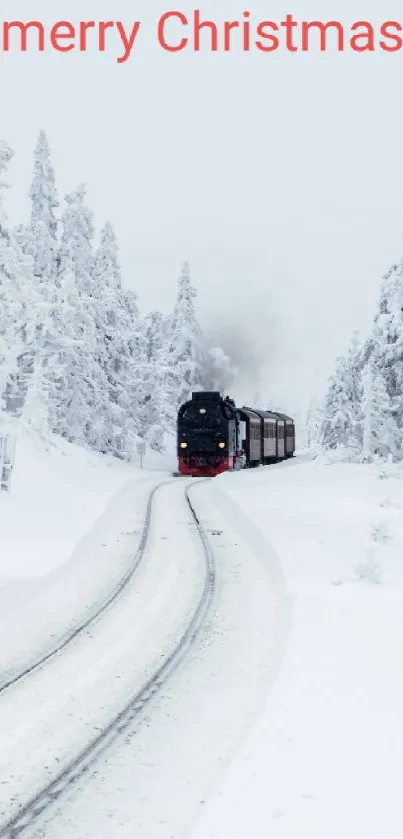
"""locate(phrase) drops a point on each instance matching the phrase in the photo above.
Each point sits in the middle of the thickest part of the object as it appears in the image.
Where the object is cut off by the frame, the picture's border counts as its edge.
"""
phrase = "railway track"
(84, 625)
(30, 812)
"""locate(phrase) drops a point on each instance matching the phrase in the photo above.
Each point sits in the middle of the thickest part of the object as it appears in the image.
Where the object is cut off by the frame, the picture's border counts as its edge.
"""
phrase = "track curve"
(85, 760)
(22, 673)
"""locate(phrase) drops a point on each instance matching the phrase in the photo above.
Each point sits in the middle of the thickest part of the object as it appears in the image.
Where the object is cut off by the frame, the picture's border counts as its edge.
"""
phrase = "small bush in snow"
(380, 533)
(368, 571)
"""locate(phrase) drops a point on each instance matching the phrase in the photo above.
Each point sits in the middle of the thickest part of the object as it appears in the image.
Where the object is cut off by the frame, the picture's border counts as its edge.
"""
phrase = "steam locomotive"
(214, 436)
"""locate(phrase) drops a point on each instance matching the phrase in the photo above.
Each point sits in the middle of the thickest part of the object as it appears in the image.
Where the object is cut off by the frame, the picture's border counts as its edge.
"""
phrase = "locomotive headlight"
(202, 411)
(184, 445)
(221, 445)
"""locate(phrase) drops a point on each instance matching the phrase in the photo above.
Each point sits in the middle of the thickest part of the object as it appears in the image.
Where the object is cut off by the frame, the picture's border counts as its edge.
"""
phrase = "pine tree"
(185, 352)
(43, 220)
(314, 422)
(154, 412)
(77, 385)
(106, 264)
(18, 309)
(77, 241)
(130, 365)
(121, 346)
(342, 425)
(154, 337)
(38, 241)
(67, 363)
(385, 346)
(381, 435)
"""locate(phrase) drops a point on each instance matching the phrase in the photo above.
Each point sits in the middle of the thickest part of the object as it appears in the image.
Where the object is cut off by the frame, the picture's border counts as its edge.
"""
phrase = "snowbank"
(48, 720)
(68, 530)
(324, 759)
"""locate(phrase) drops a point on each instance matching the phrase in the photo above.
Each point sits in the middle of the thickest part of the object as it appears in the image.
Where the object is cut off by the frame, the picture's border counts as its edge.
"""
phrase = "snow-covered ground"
(48, 720)
(286, 720)
(68, 528)
(325, 758)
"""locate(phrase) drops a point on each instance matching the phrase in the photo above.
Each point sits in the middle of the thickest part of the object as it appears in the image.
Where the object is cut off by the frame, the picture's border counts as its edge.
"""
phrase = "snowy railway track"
(30, 812)
(108, 601)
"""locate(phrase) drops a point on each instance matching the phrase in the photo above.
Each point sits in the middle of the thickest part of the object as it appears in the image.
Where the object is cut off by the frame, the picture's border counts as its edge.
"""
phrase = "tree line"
(362, 411)
(77, 358)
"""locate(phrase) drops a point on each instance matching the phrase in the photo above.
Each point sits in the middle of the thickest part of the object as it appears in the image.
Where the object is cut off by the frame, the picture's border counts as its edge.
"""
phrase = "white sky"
(278, 176)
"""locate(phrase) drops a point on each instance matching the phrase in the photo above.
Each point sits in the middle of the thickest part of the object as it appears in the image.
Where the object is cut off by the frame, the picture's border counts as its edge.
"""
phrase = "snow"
(285, 721)
(47, 721)
(325, 756)
(150, 782)
(68, 533)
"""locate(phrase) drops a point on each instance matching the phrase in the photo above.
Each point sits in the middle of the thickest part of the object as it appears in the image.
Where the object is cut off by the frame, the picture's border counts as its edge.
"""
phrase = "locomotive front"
(207, 435)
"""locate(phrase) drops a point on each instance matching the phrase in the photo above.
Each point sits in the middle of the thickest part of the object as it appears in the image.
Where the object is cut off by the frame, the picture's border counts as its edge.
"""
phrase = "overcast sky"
(277, 176)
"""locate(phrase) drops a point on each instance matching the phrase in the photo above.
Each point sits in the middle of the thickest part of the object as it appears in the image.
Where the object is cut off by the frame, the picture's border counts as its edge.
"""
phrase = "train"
(214, 436)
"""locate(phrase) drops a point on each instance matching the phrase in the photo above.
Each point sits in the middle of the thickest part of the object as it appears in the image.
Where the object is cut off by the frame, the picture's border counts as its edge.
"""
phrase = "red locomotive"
(215, 436)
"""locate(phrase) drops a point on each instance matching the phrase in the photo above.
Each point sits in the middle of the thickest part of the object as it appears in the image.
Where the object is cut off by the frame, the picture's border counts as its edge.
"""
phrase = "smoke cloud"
(251, 346)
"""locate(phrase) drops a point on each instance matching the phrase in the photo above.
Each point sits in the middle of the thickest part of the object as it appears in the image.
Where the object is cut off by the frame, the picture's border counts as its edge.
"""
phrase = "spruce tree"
(77, 384)
(381, 435)
(44, 202)
(185, 351)
(18, 309)
(342, 424)
(154, 411)
(385, 346)
(119, 346)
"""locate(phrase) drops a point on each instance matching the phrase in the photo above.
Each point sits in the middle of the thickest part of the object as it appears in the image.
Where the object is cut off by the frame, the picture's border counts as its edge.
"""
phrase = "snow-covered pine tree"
(78, 391)
(185, 356)
(342, 424)
(77, 241)
(154, 411)
(381, 437)
(120, 345)
(314, 422)
(43, 226)
(38, 239)
(384, 348)
(67, 363)
(107, 268)
(154, 337)
(39, 243)
(131, 365)
(18, 310)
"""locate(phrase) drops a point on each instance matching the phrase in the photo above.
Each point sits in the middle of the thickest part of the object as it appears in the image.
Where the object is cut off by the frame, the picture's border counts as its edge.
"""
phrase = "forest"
(361, 414)
(78, 359)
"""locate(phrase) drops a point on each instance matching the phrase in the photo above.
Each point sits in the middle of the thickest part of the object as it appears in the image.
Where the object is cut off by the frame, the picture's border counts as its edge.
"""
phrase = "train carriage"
(289, 435)
(251, 443)
(280, 437)
(269, 441)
